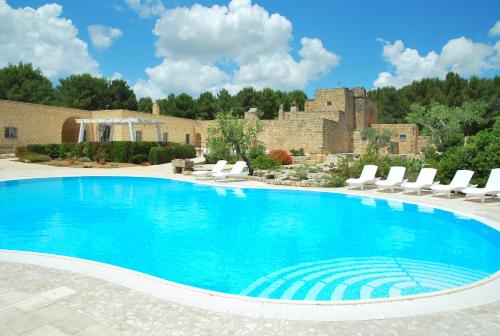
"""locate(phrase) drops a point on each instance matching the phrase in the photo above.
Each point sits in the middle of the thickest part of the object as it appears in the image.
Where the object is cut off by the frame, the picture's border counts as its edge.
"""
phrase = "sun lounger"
(367, 177)
(460, 181)
(492, 187)
(424, 180)
(394, 179)
(236, 173)
(218, 168)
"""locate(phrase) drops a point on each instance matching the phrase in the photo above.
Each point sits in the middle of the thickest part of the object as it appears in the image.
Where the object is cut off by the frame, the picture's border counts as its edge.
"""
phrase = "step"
(7, 151)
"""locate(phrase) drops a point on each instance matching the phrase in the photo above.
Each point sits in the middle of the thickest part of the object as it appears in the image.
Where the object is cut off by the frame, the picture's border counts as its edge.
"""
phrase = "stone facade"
(330, 123)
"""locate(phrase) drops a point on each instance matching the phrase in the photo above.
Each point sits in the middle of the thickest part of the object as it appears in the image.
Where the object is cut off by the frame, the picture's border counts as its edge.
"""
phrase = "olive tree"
(446, 124)
(377, 140)
(238, 134)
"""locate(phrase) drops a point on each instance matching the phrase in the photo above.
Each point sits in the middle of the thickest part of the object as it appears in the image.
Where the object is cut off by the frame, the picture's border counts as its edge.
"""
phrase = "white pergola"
(119, 121)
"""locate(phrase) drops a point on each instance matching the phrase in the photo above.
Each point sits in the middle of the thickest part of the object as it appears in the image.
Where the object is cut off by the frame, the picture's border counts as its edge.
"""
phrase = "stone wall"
(293, 134)
(399, 131)
(37, 123)
(329, 100)
(405, 135)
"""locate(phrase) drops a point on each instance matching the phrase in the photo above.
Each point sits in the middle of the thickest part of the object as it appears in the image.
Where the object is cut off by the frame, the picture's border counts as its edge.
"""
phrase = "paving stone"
(46, 330)
(73, 323)
(12, 296)
(6, 331)
(97, 330)
(57, 293)
(33, 303)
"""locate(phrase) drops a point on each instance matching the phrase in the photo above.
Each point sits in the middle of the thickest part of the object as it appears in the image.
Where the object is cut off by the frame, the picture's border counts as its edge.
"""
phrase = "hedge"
(158, 155)
(116, 151)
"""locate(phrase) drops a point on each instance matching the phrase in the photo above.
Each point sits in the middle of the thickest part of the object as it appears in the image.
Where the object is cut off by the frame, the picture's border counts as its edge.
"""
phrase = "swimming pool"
(277, 244)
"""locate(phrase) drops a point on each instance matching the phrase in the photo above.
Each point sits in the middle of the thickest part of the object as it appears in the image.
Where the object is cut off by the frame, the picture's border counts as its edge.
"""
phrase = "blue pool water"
(276, 244)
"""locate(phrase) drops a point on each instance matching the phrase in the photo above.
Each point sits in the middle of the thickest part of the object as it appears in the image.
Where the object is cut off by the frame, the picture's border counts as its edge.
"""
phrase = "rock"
(87, 165)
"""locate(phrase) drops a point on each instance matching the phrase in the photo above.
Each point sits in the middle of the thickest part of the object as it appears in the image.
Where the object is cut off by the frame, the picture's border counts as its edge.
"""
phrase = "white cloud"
(460, 55)
(188, 76)
(116, 75)
(495, 30)
(102, 37)
(146, 8)
(241, 34)
(41, 37)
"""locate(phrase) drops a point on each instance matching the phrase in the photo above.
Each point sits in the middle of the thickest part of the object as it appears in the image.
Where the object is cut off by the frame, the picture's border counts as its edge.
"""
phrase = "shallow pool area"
(277, 244)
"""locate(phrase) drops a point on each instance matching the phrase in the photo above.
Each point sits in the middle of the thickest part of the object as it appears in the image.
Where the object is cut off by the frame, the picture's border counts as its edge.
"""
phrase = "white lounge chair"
(367, 177)
(460, 181)
(424, 180)
(394, 179)
(492, 187)
(218, 168)
(236, 173)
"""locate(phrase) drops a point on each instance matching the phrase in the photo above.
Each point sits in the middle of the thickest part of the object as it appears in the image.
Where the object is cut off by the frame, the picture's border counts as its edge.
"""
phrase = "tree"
(240, 135)
(145, 104)
(298, 97)
(185, 106)
(392, 106)
(83, 92)
(206, 106)
(446, 124)
(244, 100)
(23, 83)
(268, 103)
(377, 139)
(120, 95)
(225, 101)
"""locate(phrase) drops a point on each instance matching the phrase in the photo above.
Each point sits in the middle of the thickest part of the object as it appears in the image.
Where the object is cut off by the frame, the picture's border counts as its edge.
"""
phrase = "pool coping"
(474, 294)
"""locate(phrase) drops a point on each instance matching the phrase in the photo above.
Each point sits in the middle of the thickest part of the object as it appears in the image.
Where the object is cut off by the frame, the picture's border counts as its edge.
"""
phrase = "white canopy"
(120, 121)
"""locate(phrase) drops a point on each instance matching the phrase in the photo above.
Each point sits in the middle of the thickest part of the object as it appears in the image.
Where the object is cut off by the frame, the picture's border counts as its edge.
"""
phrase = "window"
(165, 137)
(104, 132)
(138, 135)
(402, 137)
(10, 133)
(187, 139)
(328, 103)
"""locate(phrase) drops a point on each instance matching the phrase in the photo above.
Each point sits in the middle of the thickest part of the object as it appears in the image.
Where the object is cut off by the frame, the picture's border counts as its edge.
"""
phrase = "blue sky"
(348, 43)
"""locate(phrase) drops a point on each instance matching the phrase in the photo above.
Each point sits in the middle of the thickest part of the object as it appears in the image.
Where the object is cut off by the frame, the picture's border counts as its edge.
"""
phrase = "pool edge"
(474, 294)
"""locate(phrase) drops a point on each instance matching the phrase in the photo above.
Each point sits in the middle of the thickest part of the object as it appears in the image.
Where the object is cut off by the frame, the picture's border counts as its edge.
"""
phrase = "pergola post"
(111, 131)
(131, 129)
(158, 132)
(82, 132)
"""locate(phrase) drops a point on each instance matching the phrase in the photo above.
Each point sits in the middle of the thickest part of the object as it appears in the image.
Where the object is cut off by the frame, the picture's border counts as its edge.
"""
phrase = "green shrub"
(480, 154)
(297, 152)
(159, 155)
(20, 152)
(218, 150)
(143, 147)
(300, 172)
(139, 158)
(256, 150)
(35, 157)
(180, 151)
(101, 156)
(90, 149)
(336, 181)
(66, 150)
(121, 151)
(265, 162)
(51, 150)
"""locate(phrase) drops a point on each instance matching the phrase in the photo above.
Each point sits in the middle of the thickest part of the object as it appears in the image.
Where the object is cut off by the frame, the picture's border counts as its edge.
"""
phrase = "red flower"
(281, 155)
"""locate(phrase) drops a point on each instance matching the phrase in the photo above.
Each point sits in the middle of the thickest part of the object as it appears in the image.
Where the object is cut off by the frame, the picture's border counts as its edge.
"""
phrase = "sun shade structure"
(119, 121)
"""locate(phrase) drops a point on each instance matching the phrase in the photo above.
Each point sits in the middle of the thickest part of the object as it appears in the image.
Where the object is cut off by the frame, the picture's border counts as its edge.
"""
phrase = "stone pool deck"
(36, 300)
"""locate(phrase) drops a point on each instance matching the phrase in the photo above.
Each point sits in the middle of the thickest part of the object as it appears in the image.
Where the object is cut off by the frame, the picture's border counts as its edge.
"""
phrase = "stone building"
(330, 123)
